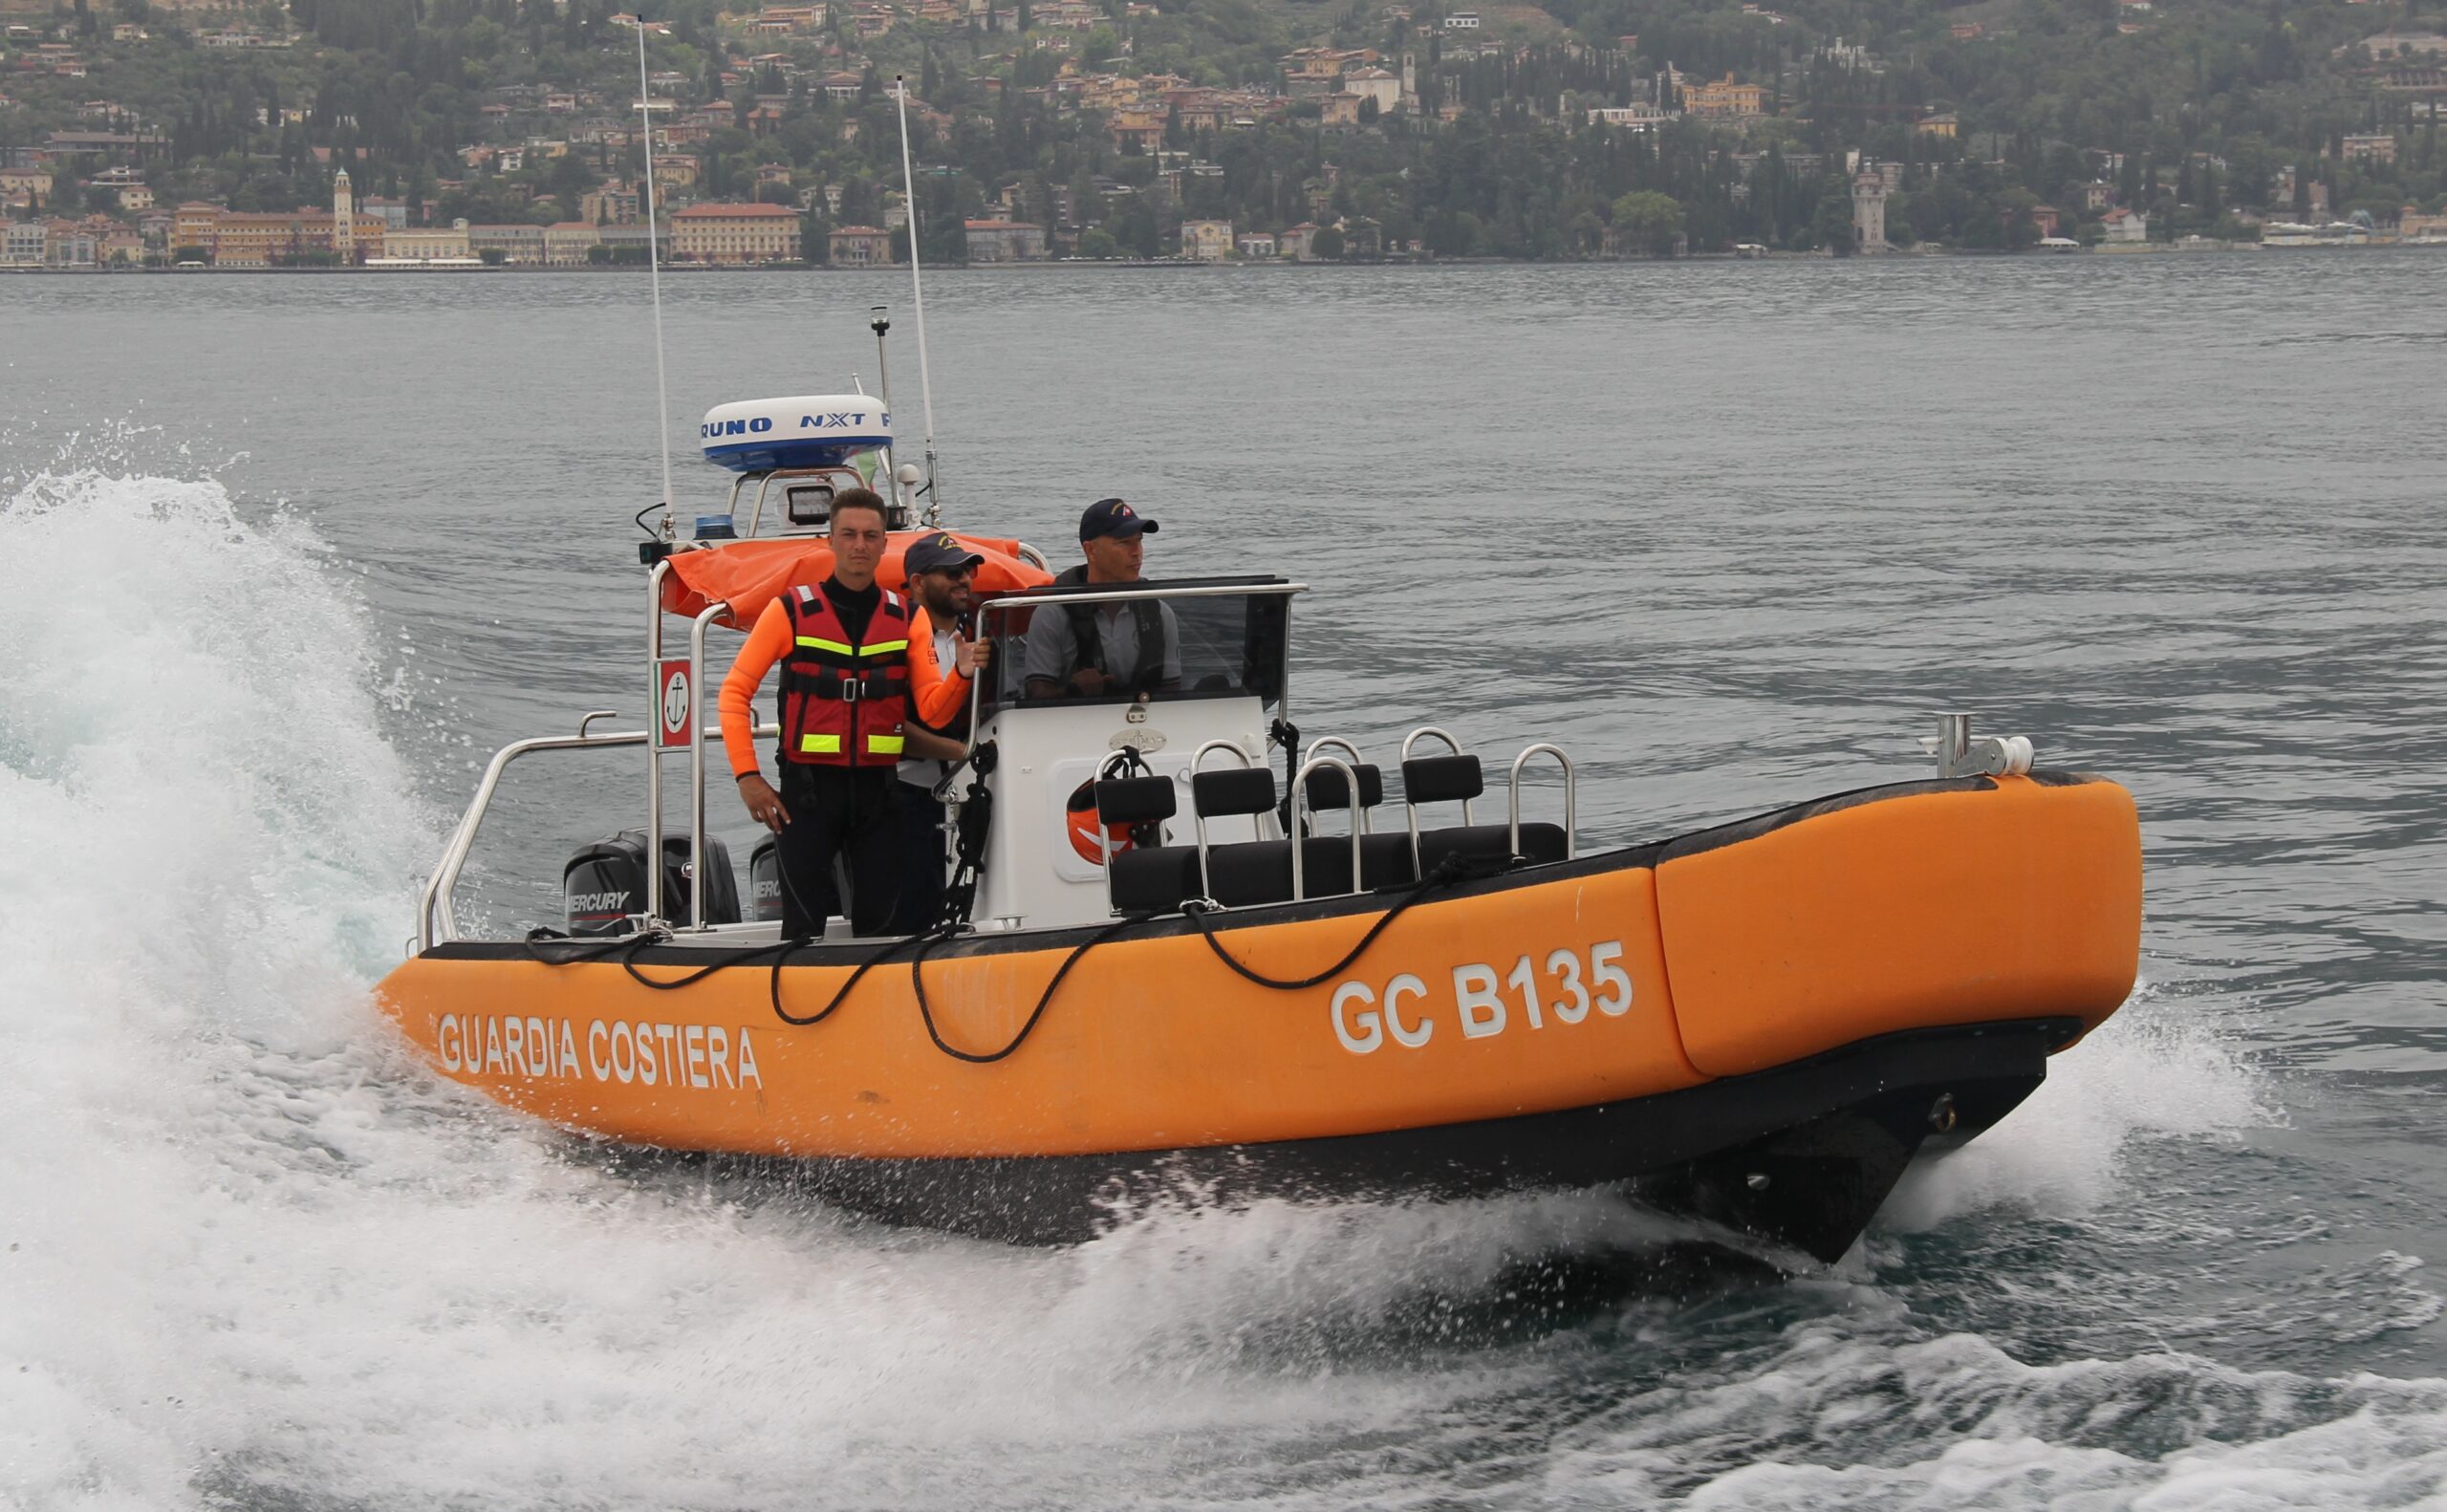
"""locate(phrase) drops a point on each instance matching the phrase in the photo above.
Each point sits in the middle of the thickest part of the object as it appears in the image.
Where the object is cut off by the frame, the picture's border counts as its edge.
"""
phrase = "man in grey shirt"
(1090, 650)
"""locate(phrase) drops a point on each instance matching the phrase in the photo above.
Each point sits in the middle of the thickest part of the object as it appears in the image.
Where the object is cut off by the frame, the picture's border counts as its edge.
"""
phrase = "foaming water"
(2159, 1069)
(254, 1251)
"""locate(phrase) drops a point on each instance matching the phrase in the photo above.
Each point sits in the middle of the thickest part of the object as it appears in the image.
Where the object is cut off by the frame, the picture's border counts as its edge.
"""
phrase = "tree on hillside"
(1832, 226)
(1649, 222)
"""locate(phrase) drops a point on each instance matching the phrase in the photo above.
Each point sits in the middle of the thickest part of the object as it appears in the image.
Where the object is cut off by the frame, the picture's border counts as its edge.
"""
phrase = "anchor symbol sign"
(679, 705)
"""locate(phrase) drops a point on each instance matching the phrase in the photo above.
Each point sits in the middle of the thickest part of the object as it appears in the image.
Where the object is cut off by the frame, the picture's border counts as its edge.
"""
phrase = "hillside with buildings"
(442, 132)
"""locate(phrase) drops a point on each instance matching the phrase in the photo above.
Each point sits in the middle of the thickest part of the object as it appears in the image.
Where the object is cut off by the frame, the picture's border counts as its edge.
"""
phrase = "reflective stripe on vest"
(830, 745)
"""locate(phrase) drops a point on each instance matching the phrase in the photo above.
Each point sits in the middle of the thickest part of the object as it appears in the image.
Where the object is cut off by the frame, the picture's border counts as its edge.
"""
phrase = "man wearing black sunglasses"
(940, 574)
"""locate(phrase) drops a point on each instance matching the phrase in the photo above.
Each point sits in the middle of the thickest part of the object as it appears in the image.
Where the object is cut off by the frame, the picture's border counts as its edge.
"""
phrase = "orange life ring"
(1080, 811)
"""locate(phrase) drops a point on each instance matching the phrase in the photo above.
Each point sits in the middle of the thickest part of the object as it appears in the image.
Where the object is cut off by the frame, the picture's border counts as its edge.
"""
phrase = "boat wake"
(2154, 1071)
(254, 1257)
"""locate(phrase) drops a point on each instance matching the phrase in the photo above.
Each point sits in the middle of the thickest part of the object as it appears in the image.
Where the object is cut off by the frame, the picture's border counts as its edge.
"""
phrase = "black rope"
(1447, 872)
(1286, 734)
(773, 987)
(579, 952)
(737, 958)
(1045, 1000)
(872, 962)
(976, 824)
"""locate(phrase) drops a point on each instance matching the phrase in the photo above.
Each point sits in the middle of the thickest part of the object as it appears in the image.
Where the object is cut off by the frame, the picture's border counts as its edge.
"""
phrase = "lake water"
(288, 556)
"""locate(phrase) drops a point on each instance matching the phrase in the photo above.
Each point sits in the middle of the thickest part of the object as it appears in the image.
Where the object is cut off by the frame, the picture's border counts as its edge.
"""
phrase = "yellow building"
(428, 244)
(192, 224)
(24, 186)
(861, 247)
(1143, 129)
(258, 239)
(567, 243)
(1725, 97)
(735, 233)
(1206, 241)
(2415, 226)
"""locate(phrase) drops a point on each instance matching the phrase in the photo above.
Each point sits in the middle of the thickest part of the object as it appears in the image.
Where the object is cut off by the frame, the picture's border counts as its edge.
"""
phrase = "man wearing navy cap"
(1090, 650)
(939, 570)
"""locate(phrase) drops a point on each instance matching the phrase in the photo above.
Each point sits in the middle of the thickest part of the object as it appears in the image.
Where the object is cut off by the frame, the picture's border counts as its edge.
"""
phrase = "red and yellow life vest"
(844, 703)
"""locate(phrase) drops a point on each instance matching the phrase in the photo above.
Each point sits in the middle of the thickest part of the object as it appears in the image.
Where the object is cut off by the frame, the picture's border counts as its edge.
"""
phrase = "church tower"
(1410, 81)
(343, 218)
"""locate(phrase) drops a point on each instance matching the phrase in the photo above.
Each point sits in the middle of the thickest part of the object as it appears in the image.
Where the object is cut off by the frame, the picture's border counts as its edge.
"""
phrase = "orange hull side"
(1741, 950)
(1150, 1044)
(1909, 912)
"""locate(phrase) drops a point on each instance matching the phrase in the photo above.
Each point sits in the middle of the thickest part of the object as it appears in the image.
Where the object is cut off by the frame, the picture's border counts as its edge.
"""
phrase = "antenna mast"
(917, 294)
(654, 265)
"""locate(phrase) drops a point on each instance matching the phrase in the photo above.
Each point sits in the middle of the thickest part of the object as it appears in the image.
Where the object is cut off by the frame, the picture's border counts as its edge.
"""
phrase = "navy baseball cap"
(1111, 517)
(938, 552)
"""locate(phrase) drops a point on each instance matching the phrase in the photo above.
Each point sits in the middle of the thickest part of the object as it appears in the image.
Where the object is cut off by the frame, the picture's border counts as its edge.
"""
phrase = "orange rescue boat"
(1213, 999)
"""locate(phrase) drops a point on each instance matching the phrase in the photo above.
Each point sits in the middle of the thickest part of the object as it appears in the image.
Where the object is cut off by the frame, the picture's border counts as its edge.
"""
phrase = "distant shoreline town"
(473, 134)
(709, 236)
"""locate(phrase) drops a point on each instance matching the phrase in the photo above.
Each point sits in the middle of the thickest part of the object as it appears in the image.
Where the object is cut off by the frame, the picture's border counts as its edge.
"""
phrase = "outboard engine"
(764, 881)
(604, 885)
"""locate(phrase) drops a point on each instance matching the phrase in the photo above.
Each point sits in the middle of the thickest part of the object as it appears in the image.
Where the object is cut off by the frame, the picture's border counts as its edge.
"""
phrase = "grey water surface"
(290, 555)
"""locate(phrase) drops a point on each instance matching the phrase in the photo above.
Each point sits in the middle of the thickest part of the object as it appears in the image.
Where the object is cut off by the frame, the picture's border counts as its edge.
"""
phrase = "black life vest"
(1088, 636)
(844, 703)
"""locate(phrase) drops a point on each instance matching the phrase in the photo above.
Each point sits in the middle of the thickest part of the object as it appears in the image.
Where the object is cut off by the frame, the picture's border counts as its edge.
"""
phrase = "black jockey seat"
(1161, 878)
(1327, 790)
(1384, 859)
(1155, 880)
(1260, 871)
(1144, 878)
(1484, 849)
(1477, 850)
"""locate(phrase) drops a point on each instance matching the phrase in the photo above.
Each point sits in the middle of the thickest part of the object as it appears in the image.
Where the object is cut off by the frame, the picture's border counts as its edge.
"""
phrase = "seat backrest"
(1134, 800)
(1247, 789)
(1441, 779)
(1327, 790)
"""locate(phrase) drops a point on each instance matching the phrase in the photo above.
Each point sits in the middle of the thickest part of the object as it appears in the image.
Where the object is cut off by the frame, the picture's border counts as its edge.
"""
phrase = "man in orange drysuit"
(847, 694)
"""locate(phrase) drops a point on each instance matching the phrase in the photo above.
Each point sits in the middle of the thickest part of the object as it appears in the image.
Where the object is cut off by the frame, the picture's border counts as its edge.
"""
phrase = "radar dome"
(814, 430)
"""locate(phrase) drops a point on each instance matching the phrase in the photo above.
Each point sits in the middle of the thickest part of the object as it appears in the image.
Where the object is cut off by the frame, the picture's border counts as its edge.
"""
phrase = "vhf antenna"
(654, 265)
(917, 294)
(880, 321)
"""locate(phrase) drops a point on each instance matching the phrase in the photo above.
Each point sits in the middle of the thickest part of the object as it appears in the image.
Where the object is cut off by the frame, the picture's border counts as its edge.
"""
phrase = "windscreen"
(1126, 646)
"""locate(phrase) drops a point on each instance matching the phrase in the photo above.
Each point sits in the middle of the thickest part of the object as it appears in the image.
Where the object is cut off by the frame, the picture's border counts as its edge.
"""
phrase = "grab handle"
(1572, 803)
(1299, 811)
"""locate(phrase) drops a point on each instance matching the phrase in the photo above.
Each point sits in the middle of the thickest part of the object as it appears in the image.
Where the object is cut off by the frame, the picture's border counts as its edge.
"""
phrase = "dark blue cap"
(1111, 517)
(938, 552)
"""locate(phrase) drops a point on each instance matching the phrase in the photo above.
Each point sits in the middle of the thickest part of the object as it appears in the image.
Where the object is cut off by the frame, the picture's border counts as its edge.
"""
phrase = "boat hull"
(1818, 976)
(1799, 1156)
